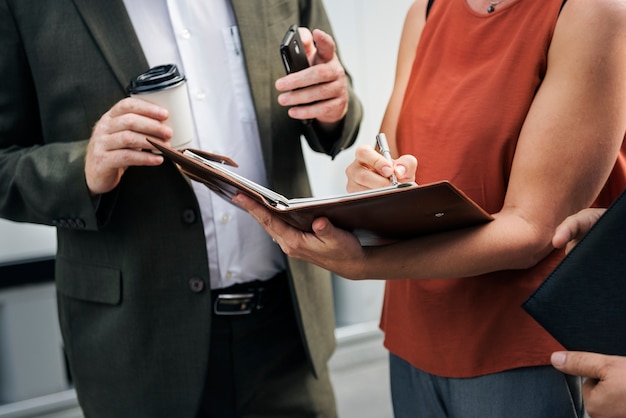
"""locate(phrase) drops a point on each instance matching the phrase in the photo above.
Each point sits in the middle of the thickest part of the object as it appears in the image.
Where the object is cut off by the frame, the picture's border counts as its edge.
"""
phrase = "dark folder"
(376, 216)
(582, 303)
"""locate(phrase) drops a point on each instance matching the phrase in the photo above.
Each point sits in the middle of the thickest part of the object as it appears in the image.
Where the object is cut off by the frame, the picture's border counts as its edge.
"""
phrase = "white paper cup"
(165, 86)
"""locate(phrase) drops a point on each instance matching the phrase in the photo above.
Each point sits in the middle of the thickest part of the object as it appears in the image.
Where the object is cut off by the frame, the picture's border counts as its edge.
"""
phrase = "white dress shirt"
(202, 39)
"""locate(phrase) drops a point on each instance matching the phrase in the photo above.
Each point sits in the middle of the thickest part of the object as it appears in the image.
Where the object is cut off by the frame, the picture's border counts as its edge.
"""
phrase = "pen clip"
(383, 147)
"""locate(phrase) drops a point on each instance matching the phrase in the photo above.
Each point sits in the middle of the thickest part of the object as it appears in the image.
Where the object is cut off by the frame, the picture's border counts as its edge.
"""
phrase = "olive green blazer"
(132, 278)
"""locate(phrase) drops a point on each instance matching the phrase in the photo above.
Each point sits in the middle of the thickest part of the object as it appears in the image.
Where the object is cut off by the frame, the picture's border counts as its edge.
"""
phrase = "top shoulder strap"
(430, 3)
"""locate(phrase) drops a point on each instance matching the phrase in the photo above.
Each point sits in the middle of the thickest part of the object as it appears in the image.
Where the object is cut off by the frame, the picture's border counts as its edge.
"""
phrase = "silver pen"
(383, 146)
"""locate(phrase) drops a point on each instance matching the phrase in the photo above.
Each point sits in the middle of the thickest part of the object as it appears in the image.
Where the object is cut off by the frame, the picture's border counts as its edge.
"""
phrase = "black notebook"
(582, 303)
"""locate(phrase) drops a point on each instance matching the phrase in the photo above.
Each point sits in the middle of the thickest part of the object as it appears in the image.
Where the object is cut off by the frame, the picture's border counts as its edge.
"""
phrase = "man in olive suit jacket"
(134, 294)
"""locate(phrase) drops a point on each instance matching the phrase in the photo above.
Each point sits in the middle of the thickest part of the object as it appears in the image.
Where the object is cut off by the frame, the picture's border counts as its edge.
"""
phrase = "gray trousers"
(531, 392)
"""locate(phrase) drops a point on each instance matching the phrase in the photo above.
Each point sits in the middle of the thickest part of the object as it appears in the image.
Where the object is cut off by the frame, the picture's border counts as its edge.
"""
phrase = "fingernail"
(401, 170)
(387, 171)
(558, 358)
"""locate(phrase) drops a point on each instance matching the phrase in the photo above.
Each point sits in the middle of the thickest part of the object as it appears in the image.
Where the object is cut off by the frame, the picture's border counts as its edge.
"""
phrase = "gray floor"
(359, 371)
(362, 392)
(360, 374)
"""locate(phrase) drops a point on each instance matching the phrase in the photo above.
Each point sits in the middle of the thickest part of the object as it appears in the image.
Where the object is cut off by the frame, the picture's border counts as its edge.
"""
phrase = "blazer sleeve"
(40, 182)
(313, 15)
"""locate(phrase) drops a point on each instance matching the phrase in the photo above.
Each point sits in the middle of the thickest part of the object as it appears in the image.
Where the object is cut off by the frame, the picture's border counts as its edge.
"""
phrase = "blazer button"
(196, 284)
(188, 216)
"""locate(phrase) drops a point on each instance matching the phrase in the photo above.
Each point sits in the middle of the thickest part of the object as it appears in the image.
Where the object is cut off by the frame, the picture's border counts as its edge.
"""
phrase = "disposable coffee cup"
(165, 86)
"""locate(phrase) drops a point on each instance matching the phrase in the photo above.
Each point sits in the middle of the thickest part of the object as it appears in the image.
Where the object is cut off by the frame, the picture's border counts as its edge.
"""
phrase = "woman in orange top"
(522, 105)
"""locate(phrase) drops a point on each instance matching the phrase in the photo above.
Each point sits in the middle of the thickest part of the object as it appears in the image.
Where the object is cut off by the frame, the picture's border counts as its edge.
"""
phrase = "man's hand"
(320, 91)
(327, 246)
(604, 390)
(118, 141)
(574, 227)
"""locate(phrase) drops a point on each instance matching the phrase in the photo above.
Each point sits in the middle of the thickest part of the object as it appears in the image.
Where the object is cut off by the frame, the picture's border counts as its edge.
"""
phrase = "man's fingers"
(325, 45)
(103, 170)
(574, 227)
(577, 363)
(258, 212)
(307, 41)
(129, 131)
(139, 107)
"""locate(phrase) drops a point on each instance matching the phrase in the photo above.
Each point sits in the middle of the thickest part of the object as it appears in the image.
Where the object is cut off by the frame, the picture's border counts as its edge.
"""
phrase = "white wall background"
(20, 241)
(368, 34)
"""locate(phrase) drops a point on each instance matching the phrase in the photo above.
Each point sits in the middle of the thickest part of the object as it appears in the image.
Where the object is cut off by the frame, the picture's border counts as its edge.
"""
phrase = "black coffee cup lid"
(156, 78)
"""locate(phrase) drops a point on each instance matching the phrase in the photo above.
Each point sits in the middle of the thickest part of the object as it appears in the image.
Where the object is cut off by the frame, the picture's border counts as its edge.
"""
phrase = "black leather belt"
(248, 298)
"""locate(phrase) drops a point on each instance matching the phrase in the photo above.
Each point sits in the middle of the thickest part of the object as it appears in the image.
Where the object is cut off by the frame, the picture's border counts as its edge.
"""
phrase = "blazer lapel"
(113, 32)
(252, 22)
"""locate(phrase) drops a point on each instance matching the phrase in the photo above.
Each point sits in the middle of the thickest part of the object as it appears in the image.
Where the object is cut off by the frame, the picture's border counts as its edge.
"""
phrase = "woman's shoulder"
(594, 16)
(586, 28)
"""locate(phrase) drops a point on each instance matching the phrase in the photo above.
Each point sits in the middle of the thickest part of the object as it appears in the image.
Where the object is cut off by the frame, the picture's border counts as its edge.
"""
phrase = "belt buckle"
(234, 304)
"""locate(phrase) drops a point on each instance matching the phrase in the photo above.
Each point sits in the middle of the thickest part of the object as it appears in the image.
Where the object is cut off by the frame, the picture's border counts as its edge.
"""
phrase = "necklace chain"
(492, 6)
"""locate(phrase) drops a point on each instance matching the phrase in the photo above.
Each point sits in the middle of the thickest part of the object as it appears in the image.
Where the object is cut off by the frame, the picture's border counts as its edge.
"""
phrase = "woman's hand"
(371, 170)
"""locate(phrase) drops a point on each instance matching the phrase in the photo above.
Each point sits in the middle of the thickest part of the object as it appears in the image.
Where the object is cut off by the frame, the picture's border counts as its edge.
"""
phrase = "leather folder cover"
(582, 303)
(376, 216)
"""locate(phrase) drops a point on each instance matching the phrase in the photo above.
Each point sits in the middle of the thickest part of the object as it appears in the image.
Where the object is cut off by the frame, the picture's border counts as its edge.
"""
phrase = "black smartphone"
(292, 51)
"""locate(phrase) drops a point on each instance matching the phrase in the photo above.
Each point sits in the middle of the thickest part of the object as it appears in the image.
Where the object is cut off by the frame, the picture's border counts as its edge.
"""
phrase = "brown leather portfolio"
(376, 216)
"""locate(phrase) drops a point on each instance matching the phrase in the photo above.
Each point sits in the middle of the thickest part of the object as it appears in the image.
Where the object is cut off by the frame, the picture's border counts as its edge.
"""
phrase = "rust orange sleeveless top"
(471, 86)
